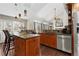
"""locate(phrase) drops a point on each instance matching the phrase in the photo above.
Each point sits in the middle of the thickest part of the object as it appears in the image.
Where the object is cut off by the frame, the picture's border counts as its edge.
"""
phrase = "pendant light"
(55, 13)
(19, 15)
(25, 12)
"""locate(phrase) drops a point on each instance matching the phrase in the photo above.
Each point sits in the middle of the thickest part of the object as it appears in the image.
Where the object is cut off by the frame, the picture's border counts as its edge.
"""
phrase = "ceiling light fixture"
(15, 4)
(17, 9)
(15, 17)
(19, 15)
(25, 12)
(55, 16)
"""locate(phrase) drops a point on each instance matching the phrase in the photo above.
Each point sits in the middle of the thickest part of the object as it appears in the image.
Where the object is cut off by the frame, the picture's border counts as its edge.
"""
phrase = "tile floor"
(45, 51)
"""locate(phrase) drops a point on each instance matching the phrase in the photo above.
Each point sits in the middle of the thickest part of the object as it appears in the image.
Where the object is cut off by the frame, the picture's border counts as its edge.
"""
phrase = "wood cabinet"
(53, 40)
(34, 47)
(43, 39)
(27, 47)
(49, 39)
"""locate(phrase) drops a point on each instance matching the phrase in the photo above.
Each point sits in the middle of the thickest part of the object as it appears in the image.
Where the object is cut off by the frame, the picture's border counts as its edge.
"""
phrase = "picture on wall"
(58, 22)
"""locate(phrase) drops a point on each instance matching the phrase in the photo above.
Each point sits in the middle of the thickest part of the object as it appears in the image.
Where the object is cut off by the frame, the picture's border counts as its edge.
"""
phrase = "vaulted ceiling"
(34, 10)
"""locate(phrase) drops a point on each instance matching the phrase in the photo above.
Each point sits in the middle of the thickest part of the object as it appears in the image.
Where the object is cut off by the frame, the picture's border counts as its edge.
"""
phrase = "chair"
(9, 42)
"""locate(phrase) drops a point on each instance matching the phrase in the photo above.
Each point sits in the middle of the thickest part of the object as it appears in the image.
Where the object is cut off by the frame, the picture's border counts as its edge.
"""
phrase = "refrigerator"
(76, 32)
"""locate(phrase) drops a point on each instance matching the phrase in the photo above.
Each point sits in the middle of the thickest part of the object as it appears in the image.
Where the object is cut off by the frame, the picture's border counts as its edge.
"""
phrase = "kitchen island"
(27, 44)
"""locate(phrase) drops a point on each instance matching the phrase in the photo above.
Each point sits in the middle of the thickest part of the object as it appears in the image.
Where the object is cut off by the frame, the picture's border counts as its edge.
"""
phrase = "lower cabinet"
(49, 40)
(34, 49)
(52, 41)
(43, 39)
(27, 47)
(64, 43)
(59, 42)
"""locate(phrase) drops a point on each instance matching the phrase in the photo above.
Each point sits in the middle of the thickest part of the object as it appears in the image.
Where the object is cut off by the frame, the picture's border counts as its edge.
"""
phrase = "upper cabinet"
(30, 25)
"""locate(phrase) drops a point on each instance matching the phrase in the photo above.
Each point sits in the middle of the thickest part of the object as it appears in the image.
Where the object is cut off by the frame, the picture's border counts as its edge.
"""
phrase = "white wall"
(48, 13)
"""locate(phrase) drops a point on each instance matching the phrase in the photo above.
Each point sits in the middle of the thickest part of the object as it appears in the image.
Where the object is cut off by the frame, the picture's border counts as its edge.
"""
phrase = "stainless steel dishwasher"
(64, 43)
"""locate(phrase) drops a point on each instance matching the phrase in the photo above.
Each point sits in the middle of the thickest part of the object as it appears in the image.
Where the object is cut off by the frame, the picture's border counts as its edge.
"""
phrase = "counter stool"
(9, 43)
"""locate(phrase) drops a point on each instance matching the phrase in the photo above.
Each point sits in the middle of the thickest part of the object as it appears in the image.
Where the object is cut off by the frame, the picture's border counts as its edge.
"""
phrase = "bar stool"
(9, 43)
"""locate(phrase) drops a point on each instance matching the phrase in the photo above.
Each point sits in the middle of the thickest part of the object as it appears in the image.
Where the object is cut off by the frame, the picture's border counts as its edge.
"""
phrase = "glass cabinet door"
(37, 27)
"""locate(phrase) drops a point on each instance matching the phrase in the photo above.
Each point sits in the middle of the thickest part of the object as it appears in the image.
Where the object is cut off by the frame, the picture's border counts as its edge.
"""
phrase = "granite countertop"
(65, 34)
(25, 35)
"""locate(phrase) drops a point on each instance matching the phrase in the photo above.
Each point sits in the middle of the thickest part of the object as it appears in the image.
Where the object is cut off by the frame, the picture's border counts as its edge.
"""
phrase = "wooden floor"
(45, 51)
(1, 53)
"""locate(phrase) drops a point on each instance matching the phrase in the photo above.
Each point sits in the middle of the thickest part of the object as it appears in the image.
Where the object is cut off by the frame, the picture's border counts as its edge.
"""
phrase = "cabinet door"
(67, 44)
(41, 38)
(27, 47)
(53, 41)
(34, 47)
(59, 42)
(49, 40)
(19, 47)
(45, 39)
(37, 46)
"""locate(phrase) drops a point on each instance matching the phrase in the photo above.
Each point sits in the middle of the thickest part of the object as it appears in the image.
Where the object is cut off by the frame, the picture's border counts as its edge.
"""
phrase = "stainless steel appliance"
(64, 43)
(75, 19)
